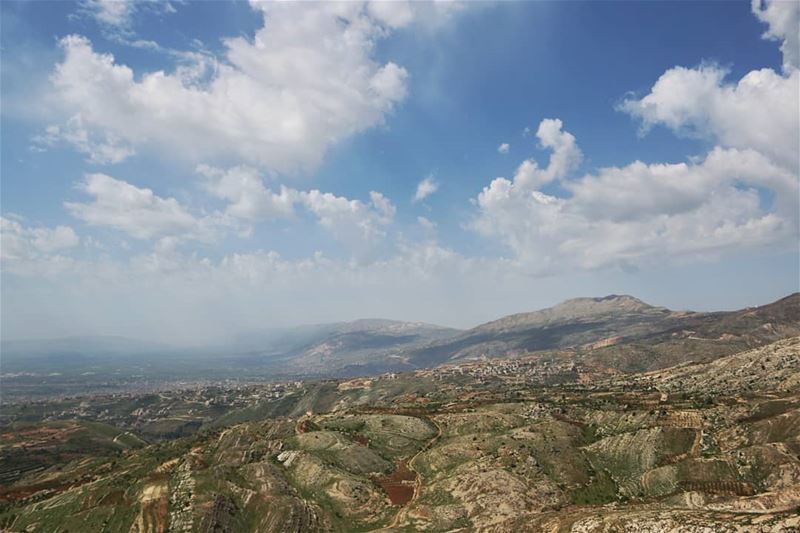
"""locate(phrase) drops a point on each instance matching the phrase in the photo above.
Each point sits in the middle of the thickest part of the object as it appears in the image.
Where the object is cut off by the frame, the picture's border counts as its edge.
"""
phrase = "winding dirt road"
(418, 481)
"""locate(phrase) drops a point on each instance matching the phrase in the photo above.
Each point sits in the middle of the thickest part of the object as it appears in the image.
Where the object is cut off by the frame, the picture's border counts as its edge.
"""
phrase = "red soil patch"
(399, 485)
(399, 494)
(38, 436)
(161, 515)
(563, 418)
(10, 495)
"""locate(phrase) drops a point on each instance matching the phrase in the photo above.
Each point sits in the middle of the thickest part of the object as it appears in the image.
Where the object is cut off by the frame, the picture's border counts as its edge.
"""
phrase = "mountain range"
(598, 414)
(616, 331)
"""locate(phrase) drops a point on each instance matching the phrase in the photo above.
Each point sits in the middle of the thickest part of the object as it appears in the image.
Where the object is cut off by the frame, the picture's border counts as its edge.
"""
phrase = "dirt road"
(418, 481)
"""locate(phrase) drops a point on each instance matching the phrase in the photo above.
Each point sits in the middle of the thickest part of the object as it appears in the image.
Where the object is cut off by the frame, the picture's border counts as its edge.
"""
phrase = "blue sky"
(186, 170)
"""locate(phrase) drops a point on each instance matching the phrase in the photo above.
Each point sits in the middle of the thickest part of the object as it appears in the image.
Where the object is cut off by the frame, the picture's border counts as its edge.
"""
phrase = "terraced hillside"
(29, 448)
(695, 448)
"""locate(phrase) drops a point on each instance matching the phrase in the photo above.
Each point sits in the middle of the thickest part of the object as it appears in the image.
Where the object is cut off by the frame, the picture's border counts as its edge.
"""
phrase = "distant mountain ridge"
(615, 332)
(703, 337)
(571, 323)
(574, 309)
(332, 348)
(649, 337)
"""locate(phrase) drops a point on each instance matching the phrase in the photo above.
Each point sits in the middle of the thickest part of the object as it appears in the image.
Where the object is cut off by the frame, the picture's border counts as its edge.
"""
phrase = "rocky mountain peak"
(576, 309)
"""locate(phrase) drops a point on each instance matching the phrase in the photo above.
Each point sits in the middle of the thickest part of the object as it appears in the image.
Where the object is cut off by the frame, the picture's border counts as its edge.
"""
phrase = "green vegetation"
(494, 453)
(598, 491)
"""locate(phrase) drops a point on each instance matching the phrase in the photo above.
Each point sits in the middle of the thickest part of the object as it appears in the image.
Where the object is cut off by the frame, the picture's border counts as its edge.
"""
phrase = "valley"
(562, 439)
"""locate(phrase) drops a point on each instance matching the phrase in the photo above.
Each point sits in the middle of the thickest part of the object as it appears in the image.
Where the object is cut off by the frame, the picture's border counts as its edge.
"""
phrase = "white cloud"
(116, 17)
(105, 150)
(638, 190)
(743, 193)
(425, 188)
(783, 18)
(110, 13)
(50, 240)
(305, 81)
(32, 250)
(429, 15)
(760, 111)
(138, 212)
(142, 214)
(357, 224)
(639, 213)
(503, 148)
(393, 14)
(248, 198)
(566, 156)
(308, 79)
(426, 224)
(185, 297)
(19, 240)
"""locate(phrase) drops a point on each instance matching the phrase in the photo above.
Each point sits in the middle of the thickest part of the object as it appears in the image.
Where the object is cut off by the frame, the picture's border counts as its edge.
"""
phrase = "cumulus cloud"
(305, 81)
(425, 188)
(309, 78)
(138, 212)
(33, 250)
(17, 238)
(783, 18)
(503, 148)
(639, 190)
(639, 213)
(565, 156)
(743, 193)
(142, 214)
(248, 198)
(359, 225)
(760, 111)
(103, 150)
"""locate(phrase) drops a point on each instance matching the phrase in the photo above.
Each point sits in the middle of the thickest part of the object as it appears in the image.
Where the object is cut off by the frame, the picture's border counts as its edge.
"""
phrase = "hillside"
(770, 369)
(702, 337)
(366, 345)
(619, 332)
(495, 445)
